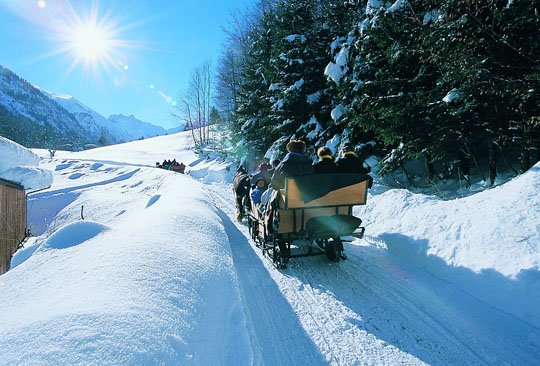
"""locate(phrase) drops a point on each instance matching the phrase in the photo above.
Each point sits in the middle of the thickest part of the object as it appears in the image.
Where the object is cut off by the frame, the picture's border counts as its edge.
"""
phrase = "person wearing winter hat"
(326, 161)
(256, 193)
(351, 163)
(261, 174)
(296, 146)
(295, 163)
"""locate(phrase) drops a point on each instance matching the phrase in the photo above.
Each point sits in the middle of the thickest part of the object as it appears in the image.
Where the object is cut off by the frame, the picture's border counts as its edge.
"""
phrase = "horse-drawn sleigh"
(309, 217)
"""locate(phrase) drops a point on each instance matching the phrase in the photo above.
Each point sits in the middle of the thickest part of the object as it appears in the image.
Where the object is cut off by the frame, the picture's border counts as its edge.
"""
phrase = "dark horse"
(241, 185)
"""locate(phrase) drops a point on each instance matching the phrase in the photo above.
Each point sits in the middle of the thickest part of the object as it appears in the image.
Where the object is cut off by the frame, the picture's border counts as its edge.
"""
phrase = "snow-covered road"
(374, 308)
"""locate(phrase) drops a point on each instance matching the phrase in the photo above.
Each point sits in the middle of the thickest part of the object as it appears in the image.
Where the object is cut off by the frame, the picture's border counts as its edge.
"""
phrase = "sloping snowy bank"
(146, 278)
(487, 244)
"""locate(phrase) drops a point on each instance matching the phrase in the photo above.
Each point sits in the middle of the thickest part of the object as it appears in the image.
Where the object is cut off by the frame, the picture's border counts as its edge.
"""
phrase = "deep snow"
(20, 165)
(159, 273)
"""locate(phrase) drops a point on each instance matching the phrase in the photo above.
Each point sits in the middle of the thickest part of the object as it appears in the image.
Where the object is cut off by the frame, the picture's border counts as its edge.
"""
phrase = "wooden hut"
(12, 221)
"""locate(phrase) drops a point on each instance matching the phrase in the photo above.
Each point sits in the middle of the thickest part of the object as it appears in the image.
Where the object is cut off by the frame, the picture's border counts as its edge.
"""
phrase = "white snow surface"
(397, 6)
(294, 37)
(431, 16)
(20, 165)
(14, 154)
(31, 178)
(159, 272)
(373, 5)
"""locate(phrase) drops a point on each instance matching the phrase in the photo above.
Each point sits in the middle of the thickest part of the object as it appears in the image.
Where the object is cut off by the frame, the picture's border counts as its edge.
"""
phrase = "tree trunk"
(525, 159)
(465, 166)
(430, 168)
(471, 154)
(492, 163)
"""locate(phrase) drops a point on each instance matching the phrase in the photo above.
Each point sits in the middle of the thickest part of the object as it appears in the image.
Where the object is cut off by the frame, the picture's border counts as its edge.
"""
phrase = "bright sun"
(90, 42)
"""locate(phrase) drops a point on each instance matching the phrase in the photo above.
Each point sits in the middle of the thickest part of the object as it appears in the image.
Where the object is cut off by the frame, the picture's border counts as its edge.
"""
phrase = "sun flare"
(89, 37)
(90, 42)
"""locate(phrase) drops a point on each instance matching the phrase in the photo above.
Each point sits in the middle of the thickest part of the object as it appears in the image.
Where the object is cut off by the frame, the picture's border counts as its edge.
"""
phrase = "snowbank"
(487, 244)
(19, 165)
(14, 154)
(28, 177)
(155, 285)
(73, 234)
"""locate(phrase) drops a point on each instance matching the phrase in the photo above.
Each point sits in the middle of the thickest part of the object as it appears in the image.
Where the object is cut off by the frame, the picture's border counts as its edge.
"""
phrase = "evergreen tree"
(454, 82)
(251, 119)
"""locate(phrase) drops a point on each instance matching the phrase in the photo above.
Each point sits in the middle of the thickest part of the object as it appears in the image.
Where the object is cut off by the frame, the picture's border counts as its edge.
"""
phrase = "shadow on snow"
(277, 336)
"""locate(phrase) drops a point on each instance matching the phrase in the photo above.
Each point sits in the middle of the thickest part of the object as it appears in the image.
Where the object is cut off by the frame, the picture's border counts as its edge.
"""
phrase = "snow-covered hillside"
(135, 128)
(28, 115)
(53, 120)
(158, 272)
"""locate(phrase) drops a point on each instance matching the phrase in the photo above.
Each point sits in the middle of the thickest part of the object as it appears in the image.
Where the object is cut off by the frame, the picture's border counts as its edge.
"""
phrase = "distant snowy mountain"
(97, 127)
(35, 117)
(175, 129)
(135, 128)
(29, 117)
(115, 129)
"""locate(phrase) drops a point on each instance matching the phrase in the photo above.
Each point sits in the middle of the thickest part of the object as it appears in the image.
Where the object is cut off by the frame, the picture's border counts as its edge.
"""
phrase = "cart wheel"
(256, 233)
(265, 241)
(331, 251)
(321, 243)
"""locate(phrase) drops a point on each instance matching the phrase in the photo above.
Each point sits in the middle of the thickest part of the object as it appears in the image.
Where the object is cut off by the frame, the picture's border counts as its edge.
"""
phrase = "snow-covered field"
(158, 272)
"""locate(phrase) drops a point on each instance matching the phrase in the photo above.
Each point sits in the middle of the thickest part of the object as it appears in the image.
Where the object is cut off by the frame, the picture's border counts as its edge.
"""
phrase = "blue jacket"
(256, 195)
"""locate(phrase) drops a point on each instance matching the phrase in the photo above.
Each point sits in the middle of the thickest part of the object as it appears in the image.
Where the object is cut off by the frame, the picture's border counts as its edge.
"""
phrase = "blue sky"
(116, 56)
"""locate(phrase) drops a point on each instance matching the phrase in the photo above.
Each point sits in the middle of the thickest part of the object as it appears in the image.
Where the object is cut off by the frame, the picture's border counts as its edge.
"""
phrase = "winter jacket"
(325, 165)
(294, 164)
(256, 195)
(350, 163)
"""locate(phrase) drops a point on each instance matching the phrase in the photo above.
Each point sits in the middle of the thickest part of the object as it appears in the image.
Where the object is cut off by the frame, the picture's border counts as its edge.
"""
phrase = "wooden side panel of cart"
(294, 213)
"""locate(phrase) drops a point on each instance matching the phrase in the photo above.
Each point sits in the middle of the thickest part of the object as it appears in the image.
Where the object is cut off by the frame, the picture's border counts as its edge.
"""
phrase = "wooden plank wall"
(12, 223)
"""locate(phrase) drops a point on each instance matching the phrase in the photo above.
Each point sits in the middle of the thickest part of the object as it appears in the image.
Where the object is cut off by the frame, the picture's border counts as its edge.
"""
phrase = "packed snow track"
(371, 309)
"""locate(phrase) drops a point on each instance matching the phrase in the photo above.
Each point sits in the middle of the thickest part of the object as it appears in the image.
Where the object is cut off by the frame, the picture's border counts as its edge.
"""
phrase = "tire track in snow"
(276, 335)
(316, 314)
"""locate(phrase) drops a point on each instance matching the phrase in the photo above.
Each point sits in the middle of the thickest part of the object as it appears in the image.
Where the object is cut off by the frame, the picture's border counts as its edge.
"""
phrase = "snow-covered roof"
(19, 165)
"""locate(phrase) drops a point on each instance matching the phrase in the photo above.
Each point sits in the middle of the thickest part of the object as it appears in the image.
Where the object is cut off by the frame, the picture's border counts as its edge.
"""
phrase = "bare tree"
(230, 64)
(195, 104)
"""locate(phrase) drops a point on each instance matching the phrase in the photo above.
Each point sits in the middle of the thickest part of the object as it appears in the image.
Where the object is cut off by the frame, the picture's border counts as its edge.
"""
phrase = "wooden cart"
(312, 212)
